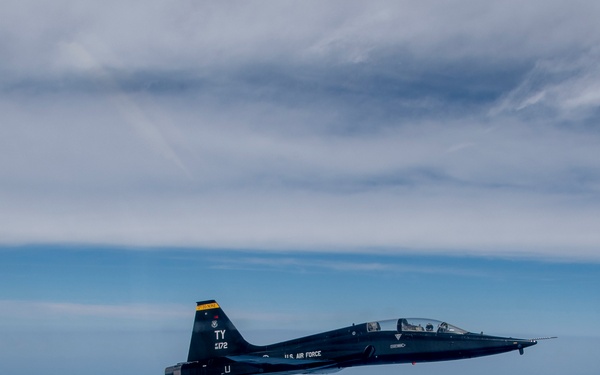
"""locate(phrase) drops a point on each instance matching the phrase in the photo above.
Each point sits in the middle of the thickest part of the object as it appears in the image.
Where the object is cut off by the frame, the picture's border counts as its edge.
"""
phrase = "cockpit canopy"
(412, 325)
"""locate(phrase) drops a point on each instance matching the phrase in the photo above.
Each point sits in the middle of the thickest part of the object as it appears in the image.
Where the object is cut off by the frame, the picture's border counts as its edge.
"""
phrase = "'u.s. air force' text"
(303, 355)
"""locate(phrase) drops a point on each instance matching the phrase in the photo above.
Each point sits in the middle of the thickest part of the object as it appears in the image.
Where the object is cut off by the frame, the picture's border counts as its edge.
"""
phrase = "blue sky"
(133, 308)
(355, 160)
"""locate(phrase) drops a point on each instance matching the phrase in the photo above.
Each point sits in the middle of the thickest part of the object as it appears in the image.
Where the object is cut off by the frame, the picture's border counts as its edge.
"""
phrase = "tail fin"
(214, 335)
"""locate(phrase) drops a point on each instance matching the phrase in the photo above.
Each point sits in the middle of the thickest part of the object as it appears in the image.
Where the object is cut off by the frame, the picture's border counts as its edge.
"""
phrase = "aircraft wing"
(287, 365)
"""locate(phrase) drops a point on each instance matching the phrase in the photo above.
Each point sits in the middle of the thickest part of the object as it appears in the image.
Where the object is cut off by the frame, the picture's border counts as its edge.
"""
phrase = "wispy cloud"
(86, 64)
(316, 264)
(69, 309)
(563, 86)
(39, 314)
(401, 127)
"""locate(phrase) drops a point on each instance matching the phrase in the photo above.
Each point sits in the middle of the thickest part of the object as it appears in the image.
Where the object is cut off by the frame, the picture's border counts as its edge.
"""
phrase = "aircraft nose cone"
(522, 344)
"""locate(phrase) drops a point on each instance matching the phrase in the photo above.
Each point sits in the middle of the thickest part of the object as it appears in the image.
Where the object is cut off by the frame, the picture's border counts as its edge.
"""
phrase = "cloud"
(316, 265)
(213, 37)
(396, 127)
(254, 184)
(69, 309)
(567, 87)
(36, 315)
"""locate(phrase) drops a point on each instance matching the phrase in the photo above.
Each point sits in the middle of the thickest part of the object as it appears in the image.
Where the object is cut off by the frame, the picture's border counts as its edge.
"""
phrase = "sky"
(308, 164)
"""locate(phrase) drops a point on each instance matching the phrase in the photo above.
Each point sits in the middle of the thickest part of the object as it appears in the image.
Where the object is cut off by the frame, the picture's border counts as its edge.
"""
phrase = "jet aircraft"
(217, 348)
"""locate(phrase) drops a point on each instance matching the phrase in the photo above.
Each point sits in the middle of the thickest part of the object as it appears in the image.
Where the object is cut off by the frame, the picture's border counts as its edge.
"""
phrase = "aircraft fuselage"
(217, 348)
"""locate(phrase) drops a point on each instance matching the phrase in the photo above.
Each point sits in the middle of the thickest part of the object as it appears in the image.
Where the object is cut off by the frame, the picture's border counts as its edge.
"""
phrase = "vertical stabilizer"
(214, 335)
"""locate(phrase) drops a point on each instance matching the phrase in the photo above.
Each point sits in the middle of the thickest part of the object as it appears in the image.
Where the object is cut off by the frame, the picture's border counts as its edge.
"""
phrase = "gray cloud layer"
(454, 126)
